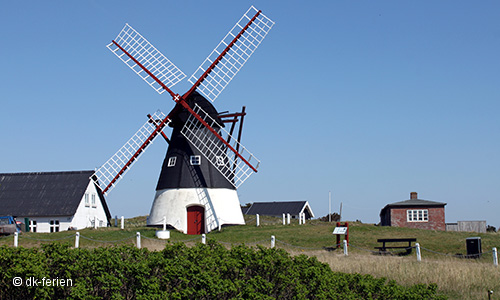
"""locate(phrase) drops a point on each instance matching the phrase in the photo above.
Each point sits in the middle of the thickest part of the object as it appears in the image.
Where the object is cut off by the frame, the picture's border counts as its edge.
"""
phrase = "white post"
(77, 240)
(257, 220)
(138, 234)
(273, 241)
(495, 256)
(122, 224)
(419, 254)
(346, 252)
(303, 218)
(284, 219)
(16, 237)
(300, 218)
(288, 219)
(164, 223)
(203, 239)
(95, 222)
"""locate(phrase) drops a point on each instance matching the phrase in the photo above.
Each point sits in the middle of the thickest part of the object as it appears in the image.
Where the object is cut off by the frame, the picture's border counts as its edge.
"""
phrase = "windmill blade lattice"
(235, 165)
(231, 54)
(145, 60)
(113, 170)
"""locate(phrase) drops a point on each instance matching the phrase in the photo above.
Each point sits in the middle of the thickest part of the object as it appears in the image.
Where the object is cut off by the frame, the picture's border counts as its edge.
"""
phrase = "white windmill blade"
(145, 60)
(113, 170)
(236, 167)
(219, 68)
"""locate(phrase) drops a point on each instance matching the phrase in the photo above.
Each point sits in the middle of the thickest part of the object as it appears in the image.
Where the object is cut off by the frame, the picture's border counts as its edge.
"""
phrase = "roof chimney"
(413, 195)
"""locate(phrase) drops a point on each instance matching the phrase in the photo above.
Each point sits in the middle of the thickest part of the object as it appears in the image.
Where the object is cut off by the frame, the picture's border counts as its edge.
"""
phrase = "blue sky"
(369, 99)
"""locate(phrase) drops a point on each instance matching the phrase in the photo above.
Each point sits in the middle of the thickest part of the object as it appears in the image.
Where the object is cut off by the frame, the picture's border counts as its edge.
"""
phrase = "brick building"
(414, 213)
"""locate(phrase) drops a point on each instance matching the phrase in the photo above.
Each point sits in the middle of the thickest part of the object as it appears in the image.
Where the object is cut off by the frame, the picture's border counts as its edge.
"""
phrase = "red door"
(195, 220)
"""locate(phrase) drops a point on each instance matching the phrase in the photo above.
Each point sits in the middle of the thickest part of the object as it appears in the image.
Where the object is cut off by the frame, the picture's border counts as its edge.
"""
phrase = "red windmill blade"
(215, 73)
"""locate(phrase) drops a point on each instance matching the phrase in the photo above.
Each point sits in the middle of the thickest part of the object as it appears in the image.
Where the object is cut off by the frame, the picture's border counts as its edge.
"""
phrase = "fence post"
(346, 251)
(95, 222)
(16, 237)
(257, 220)
(116, 221)
(273, 241)
(300, 218)
(495, 256)
(122, 224)
(77, 240)
(419, 254)
(203, 238)
(138, 234)
(288, 219)
(303, 218)
(283, 218)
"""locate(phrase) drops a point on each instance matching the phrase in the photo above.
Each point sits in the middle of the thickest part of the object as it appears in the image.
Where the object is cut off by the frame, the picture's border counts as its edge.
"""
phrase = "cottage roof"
(417, 202)
(412, 203)
(44, 193)
(277, 208)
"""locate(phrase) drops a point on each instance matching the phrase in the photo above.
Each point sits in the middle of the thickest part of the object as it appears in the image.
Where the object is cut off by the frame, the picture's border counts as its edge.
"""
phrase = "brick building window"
(417, 215)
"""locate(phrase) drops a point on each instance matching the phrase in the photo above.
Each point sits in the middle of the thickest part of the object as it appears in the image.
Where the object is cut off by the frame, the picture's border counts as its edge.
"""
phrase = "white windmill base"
(221, 207)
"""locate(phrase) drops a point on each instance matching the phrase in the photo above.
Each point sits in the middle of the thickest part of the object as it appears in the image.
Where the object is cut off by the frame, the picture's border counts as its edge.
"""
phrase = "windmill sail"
(220, 67)
(235, 166)
(113, 170)
(145, 60)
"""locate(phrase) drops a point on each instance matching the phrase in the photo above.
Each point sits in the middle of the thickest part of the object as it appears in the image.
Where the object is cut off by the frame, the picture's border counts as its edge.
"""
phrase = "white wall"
(86, 212)
(43, 223)
(173, 203)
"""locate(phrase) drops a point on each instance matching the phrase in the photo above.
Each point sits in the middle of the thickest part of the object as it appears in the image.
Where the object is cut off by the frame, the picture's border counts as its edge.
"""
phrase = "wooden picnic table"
(384, 247)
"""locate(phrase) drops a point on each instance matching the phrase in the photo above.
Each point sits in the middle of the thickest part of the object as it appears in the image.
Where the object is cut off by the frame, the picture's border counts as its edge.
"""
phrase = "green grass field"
(457, 278)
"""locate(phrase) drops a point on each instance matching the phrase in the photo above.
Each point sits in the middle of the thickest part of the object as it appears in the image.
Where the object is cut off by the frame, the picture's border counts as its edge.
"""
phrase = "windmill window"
(171, 161)
(87, 203)
(54, 225)
(195, 160)
(32, 225)
(93, 201)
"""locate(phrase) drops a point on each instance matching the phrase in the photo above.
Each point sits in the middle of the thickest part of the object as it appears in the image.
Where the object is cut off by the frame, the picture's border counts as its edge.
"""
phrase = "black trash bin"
(473, 247)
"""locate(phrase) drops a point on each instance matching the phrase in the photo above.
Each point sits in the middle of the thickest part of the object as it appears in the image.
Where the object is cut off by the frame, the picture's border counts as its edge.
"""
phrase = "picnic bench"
(384, 247)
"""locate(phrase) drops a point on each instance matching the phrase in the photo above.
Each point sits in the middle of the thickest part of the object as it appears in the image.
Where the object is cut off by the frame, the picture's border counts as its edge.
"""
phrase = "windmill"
(204, 163)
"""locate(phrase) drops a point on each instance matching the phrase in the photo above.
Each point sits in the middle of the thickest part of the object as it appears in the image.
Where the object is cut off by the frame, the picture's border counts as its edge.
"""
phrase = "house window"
(32, 225)
(87, 203)
(54, 225)
(171, 161)
(417, 215)
(93, 200)
(195, 160)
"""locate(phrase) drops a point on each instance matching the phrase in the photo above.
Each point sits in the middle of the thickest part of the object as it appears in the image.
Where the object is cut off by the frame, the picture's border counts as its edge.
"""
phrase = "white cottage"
(53, 201)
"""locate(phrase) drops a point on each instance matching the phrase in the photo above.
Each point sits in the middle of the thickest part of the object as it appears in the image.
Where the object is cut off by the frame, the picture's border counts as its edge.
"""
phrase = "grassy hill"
(457, 278)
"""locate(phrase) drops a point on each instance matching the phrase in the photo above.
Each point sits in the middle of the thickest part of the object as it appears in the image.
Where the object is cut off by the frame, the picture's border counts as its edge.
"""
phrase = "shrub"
(178, 272)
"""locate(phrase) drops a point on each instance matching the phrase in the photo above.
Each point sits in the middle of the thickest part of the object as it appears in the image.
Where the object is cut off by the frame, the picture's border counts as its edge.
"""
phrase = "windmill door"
(195, 220)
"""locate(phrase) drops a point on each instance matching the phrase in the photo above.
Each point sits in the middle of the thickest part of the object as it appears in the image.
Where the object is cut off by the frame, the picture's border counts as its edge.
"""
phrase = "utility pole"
(329, 206)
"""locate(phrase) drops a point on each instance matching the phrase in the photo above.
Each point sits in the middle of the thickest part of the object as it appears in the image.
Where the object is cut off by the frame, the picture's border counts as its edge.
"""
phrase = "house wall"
(86, 213)
(43, 223)
(436, 218)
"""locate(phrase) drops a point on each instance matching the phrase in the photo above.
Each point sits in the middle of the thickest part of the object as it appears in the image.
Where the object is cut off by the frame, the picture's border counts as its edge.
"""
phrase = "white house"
(53, 201)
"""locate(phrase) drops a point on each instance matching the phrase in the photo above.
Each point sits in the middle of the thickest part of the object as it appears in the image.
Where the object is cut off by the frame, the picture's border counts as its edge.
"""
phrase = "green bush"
(179, 272)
